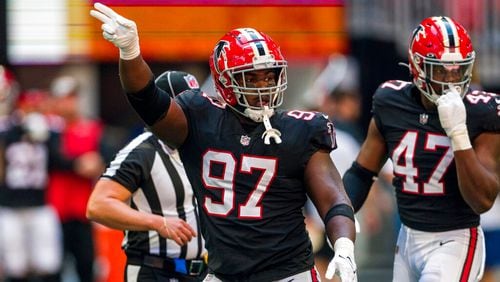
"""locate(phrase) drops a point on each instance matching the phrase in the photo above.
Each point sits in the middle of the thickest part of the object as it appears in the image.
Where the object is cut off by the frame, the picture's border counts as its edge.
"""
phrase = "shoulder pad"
(483, 111)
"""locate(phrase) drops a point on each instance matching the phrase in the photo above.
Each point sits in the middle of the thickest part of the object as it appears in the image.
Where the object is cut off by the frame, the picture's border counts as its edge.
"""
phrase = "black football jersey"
(426, 182)
(251, 194)
(24, 167)
(26, 164)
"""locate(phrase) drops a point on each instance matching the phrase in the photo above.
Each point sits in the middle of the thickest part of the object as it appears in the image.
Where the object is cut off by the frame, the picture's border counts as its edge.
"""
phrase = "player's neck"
(428, 105)
(246, 123)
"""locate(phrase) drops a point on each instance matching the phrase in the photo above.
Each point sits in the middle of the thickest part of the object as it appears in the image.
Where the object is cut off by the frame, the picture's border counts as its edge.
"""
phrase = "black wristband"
(151, 103)
(340, 209)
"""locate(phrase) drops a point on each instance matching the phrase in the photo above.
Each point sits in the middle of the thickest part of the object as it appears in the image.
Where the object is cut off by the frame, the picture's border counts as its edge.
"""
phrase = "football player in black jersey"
(444, 142)
(251, 165)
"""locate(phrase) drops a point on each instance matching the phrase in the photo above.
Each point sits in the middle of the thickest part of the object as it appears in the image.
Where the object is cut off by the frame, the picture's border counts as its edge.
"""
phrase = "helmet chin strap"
(263, 116)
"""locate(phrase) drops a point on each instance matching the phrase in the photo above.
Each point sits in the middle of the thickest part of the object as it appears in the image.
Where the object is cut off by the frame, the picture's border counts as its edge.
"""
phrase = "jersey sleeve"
(483, 112)
(378, 106)
(131, 166)
(389, 98)
(306, 134)
(323, 134)
(194, 100)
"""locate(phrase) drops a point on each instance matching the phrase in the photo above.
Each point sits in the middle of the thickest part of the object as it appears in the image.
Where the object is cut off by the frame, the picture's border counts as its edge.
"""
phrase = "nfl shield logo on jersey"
(245, 140)
(424, 118)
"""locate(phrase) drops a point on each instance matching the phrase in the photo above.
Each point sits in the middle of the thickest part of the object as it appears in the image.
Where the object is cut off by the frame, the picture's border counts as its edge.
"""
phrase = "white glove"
(118, 30)
(452, 116)
(343, 263)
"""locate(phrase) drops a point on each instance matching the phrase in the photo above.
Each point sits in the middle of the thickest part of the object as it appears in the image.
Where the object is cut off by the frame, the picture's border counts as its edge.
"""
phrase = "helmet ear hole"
(223, 80)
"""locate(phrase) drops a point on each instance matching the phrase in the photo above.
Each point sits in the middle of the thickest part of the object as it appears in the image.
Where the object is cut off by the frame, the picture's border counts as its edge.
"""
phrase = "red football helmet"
(441, 56)
(241, 51)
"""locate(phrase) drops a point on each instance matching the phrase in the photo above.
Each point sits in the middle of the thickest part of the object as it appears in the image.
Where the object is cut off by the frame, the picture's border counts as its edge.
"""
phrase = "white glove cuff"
(460, 139)
(344, 245)
(131, 52)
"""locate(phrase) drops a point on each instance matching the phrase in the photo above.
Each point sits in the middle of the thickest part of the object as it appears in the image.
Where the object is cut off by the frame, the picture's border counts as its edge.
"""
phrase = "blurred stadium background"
(40, 40)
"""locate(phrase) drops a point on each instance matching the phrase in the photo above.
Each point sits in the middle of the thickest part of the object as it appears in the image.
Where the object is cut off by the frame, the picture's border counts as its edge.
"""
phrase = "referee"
(145, 192)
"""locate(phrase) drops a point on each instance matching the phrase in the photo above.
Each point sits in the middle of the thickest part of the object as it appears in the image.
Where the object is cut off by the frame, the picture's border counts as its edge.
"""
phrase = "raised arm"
(135, 73)
(165, 118)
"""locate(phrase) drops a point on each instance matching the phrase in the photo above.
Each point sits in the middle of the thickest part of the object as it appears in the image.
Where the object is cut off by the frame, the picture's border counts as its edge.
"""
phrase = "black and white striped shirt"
(155, 176)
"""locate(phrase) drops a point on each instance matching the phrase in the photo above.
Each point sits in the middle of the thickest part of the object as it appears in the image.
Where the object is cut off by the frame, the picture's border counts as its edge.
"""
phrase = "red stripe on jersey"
(470, 255)
(314, 275)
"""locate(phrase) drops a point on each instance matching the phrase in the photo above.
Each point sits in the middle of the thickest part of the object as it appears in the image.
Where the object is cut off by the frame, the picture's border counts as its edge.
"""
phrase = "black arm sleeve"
(151, 103)
(357, 182)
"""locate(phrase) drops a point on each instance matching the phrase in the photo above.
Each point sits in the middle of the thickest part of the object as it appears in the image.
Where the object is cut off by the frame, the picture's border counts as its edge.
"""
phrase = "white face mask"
(433, 72)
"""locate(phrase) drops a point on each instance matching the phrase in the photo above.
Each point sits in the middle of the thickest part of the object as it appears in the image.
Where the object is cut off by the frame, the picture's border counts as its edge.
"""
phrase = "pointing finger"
(106, 10)
(100, 16)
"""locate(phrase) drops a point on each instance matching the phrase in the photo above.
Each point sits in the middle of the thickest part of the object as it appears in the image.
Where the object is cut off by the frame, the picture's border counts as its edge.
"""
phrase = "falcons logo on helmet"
(220, 53)
(417, 33)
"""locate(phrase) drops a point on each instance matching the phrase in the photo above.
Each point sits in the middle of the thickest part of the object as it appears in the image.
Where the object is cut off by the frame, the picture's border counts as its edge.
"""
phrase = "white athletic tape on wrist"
(460, 139)
(344, 244)
(130, 54)
(460, 142)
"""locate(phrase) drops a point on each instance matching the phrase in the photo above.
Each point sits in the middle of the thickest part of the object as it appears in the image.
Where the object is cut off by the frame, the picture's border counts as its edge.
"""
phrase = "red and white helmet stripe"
(255, 40)
(450, 36)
